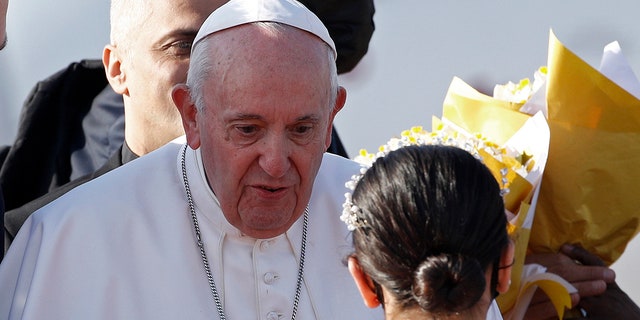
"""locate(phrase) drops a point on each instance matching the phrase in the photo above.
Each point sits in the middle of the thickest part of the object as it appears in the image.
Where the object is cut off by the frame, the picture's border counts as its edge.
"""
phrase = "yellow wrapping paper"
(473, 111)
(502, 122)
(588, 193)
(553, 285)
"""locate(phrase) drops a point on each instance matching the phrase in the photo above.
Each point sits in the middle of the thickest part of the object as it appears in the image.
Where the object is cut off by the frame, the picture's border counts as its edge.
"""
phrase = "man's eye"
(300, 130)
(180, 48)
(302, 134)
(245, 134)
(246, 130)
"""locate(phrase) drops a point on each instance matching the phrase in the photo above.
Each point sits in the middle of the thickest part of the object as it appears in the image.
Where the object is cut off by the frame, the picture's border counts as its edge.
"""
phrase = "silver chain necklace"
(203, 254)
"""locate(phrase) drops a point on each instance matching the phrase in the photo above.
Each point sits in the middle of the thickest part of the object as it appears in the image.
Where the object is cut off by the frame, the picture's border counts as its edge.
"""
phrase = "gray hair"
(201, 66)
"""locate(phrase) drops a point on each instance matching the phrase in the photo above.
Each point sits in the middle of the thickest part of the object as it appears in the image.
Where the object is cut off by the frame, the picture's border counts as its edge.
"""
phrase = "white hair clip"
(351, 214)
(448, 136)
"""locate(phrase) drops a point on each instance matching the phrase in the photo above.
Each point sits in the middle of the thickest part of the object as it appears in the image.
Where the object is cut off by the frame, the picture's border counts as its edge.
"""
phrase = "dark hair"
(434, 224)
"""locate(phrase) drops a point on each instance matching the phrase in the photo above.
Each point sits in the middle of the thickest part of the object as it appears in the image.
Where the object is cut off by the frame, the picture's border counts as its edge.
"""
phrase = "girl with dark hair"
(430, 237)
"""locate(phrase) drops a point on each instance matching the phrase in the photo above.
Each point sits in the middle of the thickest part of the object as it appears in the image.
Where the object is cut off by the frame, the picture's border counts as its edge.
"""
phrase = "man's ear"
(188, 112)
(364, 283)
(341, 98)
(506, 265)
(113, 69)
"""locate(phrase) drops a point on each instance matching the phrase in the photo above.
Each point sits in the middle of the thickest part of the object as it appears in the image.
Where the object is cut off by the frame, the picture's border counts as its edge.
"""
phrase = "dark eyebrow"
(178, 33)
(184, 32)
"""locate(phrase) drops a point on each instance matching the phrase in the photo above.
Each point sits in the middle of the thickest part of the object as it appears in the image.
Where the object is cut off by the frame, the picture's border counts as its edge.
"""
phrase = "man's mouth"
(271, 189)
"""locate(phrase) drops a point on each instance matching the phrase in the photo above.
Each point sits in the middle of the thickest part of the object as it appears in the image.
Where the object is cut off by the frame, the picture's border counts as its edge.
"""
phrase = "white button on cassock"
(270, 277)
(273, 316)
(264, 245)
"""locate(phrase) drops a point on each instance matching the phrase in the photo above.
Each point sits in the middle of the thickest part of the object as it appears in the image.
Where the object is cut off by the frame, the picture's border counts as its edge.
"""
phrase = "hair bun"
(448, 283)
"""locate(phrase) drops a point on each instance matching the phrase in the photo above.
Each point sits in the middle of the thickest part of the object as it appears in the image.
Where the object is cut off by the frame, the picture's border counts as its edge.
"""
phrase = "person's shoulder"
(335, 162)
(15, 218)
(336, 169)
(118, 188)
(334, 172)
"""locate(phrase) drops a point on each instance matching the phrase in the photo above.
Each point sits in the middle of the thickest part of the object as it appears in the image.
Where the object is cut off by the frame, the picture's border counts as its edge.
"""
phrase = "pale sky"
(417, 48)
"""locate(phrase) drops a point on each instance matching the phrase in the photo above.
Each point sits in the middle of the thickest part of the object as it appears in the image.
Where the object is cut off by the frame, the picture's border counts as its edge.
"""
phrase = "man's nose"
(275, 158)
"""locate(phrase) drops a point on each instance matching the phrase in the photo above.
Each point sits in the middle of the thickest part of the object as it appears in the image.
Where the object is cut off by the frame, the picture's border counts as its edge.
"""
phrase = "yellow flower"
(476, 144)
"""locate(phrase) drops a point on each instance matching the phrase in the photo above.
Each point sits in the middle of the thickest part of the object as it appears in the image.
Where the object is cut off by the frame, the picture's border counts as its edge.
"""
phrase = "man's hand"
(582, 269)
(613, 303)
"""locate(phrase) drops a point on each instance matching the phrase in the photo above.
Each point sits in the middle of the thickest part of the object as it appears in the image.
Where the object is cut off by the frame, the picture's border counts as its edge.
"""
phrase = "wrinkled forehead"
(263, 77)
(287, 62)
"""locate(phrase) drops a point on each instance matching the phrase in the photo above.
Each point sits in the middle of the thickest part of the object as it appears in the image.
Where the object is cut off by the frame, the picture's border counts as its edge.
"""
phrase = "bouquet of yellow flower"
(588, 191)
(515, 150)
(586, 195)
(499, 119)
(564, 149)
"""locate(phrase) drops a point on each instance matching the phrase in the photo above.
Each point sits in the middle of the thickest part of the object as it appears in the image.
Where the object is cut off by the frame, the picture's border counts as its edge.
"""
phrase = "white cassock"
(122, 246)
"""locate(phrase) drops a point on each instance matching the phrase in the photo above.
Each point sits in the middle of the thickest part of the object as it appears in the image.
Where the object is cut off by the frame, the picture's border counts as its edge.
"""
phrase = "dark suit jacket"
(13, 219)
(50, 129)
(1, 222)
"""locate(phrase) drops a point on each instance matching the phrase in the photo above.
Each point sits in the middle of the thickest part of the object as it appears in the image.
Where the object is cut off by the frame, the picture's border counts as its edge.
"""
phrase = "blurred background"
(416, 50)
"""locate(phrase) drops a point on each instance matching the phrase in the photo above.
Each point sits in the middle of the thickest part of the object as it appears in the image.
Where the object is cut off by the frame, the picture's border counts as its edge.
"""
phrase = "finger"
(590, 288)
(549, 259)
(580, 254)
(566, 267)
(579, 273)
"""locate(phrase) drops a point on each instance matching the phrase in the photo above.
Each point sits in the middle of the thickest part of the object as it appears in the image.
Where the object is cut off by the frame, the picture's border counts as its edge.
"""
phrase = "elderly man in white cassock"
(241, 222)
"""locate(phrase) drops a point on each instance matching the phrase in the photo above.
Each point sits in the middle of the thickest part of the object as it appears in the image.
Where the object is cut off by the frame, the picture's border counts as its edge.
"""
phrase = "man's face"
(157, 58)
(264, 128)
